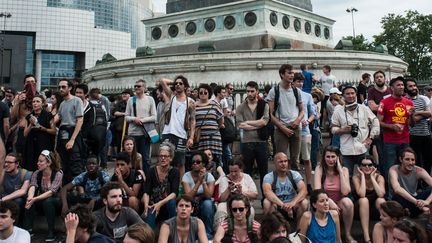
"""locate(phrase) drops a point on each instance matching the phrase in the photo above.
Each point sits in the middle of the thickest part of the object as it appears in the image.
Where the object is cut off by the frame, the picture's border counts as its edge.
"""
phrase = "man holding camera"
(357, 126)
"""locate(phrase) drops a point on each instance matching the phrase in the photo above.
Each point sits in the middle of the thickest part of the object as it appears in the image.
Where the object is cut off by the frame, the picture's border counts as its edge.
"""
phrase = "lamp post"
(4, 15)
(352, 10)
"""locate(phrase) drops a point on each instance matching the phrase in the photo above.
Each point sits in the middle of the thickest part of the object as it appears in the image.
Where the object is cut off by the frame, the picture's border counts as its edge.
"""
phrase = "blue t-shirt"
(284, 189)
(307, 83)
(12, 183)
(92, 187)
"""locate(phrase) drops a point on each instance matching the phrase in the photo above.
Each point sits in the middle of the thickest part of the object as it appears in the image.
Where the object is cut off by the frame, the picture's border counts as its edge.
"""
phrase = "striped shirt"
(255, 228)
(421, 128)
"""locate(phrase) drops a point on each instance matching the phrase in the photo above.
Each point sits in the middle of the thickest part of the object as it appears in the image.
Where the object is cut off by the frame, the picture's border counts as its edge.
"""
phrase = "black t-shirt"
(158, 190)
(4, 113)
(361, 89)
(133, 178)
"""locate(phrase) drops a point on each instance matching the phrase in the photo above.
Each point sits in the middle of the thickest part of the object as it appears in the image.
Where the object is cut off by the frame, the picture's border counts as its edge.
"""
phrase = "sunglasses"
(203, 93)
(62, 86)
(137, 86)
(235, 210)
(196, 161)
(178, 83)
(368, 165)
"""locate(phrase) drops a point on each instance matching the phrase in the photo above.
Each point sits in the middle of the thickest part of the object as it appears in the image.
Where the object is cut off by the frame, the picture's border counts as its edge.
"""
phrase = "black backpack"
(290, 177)
(99, 115)
(263, 132)
(228, 133)
(277, 95)
(228, 235)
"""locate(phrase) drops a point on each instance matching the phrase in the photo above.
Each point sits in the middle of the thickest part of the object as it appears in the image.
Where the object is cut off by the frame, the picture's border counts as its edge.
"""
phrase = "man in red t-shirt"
(394, 113)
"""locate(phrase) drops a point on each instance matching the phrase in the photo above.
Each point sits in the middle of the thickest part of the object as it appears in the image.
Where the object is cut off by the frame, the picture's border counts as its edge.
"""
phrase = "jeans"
(422, 146)
(72, 161)
(104, 152)
(414, 210)
(391, 152)
(226, 156)
(290, 146)
(255, 152)
(167, 211)
(350, 161)
(143, 147)
(50, 206)
(207, 212)
(315, 145)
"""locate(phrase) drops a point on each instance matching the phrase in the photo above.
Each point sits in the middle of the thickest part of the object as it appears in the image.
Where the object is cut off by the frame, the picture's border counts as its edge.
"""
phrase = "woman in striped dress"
(209, 118)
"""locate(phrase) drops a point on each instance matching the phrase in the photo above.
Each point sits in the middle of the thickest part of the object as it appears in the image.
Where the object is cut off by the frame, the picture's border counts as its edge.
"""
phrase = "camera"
(354, 130)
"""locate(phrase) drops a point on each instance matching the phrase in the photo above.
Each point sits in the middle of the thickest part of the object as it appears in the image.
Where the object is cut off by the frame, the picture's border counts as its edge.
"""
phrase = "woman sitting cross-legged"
(370, 189)
(322, 224)
(44, 186)
(239, 226)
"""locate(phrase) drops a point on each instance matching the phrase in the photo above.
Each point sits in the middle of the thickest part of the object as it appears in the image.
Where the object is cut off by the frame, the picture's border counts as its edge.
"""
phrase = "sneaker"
(50, 238)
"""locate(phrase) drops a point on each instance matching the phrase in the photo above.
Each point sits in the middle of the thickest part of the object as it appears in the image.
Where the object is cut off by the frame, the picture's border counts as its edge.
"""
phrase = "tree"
(360, 43)
(409, 37)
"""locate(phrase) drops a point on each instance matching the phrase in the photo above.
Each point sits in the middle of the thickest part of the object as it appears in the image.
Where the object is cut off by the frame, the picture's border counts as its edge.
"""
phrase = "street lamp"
(4, 15)
(352, 10)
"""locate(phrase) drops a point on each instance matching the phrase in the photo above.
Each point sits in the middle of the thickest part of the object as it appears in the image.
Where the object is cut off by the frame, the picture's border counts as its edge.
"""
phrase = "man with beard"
(404, 179)
(179, 126)
(394, 114)
(356, 125)
(113, 219)
(88, 185)
(69, 141)
(253, 148)
(420, 134)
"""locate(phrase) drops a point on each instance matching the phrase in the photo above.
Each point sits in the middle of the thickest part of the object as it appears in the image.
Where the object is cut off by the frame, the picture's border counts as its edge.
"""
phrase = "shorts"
(305, 148)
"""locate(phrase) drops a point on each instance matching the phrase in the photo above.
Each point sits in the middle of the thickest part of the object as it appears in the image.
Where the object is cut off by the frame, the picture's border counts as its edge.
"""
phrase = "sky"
(366, 20)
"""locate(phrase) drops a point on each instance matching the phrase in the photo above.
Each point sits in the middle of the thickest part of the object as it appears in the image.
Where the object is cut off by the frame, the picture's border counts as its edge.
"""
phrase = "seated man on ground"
(16, 181)
(88, 185)
(404, 179)
(113, 219)
(8, 232)
(129, 179)
(183, 227)
(284, 190)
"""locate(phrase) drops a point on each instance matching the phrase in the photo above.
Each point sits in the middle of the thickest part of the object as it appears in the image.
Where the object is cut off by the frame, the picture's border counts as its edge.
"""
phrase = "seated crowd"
(197, 190)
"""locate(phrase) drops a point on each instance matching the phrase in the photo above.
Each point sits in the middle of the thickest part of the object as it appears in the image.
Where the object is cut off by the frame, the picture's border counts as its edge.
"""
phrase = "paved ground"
(40, 225)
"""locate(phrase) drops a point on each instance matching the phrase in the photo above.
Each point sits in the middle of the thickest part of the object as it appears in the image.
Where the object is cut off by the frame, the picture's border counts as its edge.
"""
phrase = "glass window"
(56, 66)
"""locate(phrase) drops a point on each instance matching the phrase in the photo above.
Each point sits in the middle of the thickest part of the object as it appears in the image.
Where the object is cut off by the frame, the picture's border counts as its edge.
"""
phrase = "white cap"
(335, 90)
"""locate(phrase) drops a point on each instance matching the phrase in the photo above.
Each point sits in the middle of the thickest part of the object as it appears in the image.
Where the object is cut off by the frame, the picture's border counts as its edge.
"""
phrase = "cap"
(348, 87)
(128, 91)
(335, 91)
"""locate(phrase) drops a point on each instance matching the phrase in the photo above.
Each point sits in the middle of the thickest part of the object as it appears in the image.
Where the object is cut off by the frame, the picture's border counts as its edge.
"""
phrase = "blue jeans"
(226, 156)
(207, 211)
(350, 161)
(315, 145)
(143, 147)
(391, 153)
(166, 212)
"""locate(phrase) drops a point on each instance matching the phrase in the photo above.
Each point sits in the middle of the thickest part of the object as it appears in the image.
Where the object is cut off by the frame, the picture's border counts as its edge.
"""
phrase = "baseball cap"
(335, 90)
(128, 91)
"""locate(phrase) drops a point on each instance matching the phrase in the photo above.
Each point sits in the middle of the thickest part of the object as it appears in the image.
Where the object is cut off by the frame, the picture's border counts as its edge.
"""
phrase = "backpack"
(99, 115)
(290, 177)
(263, 132)
(277, 95)
(100, 178)
(251, 234)
(228, 133)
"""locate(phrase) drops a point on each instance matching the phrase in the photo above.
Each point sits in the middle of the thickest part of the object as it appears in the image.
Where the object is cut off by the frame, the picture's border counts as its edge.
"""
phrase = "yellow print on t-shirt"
(400, 112)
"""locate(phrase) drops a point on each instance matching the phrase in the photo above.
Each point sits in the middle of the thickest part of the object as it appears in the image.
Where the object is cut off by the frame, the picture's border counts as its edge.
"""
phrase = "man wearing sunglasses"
(179, 126)
(70, 145)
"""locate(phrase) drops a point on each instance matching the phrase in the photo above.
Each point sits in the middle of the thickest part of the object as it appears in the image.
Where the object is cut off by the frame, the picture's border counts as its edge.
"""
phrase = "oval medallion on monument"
(229, 22)
(273, 18)
(326, 33)
(156, 33)
(297, 25)
(285, 22)
(317, 30)
(191, 28)
(308, 28)
(210, 25)
(173, 30)
(250, 19)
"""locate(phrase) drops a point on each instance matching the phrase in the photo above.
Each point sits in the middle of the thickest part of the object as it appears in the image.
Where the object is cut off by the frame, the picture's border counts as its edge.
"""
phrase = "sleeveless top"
(333, 188)
(322, 234)
(174, 237)
(408, 182)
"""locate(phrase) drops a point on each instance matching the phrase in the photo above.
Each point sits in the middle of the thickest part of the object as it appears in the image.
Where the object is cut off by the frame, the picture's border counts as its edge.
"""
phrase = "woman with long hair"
(209, 118)
(56, 100)
(44, 187)
(390, 213)
(273, 226)
(321, 224)
(39, 132)
(370, 190)
(237, 228)
(129, 146)
(331, 176)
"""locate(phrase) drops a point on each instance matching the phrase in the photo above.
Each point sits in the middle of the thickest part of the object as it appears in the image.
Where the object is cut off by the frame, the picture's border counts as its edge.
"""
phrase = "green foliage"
(409, 37)
(360, 43)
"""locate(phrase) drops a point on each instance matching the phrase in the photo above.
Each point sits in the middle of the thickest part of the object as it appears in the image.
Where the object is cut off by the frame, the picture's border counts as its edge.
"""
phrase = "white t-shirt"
(247, 184)
(18, 235)
(178, 113)
(187, 178)
(327, 82)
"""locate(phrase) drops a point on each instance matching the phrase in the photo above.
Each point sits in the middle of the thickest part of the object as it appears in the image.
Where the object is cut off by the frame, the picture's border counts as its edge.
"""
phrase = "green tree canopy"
(360, 43)
(409, 37)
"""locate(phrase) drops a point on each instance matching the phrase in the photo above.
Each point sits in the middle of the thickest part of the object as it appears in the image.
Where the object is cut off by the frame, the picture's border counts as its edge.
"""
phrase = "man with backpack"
(286, 111)
(252, 117)
(141, 109)
(88, 185)
(284, 190)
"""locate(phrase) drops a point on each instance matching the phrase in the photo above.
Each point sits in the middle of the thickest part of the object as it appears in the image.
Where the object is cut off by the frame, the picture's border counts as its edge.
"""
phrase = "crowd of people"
(54, 150)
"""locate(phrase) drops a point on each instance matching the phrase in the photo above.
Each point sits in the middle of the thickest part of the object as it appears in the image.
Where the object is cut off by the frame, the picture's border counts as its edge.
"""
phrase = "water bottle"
(37, 124)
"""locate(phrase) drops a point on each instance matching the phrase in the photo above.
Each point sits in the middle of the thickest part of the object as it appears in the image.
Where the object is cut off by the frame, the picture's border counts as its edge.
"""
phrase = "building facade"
(61, 38)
